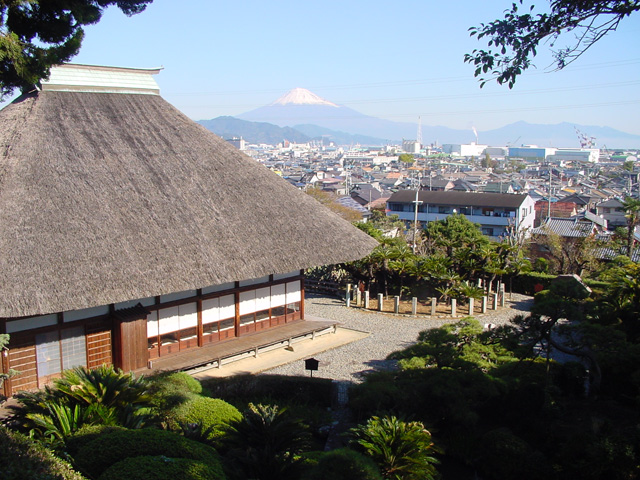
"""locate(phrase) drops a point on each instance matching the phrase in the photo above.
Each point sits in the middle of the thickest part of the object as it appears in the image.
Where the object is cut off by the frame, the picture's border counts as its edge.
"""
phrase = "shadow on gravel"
(378, 366)
(524, 305)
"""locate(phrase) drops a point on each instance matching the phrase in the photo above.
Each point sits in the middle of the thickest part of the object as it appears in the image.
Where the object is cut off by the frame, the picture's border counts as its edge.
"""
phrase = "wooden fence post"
(380, 302)
(471, 306)
(484, 304)
(414, 306)
(494, 303)
(366, 299)
(433, 305)
(396, 304)
(453, 307)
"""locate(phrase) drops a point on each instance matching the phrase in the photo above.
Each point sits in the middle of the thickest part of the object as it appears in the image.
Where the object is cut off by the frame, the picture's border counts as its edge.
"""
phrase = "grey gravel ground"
(388, 333)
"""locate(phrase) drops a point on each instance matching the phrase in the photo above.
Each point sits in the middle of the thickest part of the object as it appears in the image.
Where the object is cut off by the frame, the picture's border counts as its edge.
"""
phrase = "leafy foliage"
(344, 464)
(265, 444)
(97, 455)
(515, 39)
(402, 450)
(103, 396)
(23, 459)
(163, 468)
(211, 414)
(36, 35)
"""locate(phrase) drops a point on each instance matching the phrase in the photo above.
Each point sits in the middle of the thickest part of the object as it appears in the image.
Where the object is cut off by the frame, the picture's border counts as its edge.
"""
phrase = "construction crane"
(585, 141)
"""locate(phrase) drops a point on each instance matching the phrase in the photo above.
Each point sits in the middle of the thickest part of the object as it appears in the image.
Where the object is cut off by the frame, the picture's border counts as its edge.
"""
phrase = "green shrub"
(344, 464)
(280, 389)
(23, 459)
(402, 450)
(530, 283)
(210, 413)
(169, 390)
(175, 382)
(87, 434)
(266, 444)
(163, 468)
(108, 449)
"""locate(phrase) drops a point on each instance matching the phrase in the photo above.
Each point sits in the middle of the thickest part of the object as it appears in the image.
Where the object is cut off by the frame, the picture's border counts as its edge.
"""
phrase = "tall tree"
(518, 35)
(34, 35)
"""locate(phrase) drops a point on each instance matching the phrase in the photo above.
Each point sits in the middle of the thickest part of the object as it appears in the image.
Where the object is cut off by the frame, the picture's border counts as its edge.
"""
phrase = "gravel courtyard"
(388, 333)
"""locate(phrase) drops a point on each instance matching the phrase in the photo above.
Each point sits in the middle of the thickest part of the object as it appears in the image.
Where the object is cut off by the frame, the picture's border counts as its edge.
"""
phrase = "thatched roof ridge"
(110, 197)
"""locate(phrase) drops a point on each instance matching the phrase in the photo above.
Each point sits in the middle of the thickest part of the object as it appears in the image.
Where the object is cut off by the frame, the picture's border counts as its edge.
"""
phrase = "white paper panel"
(293, 292)
(277, 295)
(218, 288)
(227, 307)
(263, 299)
(169, 320)
(247, 302)
(33, 322)
(74, 315)
(152, 324)
(210, 310)
(188, 315)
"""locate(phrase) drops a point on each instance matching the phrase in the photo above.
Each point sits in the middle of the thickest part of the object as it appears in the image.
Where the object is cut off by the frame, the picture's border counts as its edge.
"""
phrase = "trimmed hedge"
(208, 412)
(280, 389)
(23, 459)
(169, 390)
(87, 434)
(163, 468)
(106, 450)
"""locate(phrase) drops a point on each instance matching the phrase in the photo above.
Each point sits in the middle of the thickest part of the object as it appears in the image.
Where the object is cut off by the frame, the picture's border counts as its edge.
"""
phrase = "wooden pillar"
(434, 304)
(453, 307)
(396, 304)
(380, 302)
(348, 296)
(366, 299)
(414, 306)
(358, 298)
(484, 304)
(494, 301)
(471, 306)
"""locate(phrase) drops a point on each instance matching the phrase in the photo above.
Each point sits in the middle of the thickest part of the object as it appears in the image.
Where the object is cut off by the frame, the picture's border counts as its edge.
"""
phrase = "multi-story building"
(494, 212)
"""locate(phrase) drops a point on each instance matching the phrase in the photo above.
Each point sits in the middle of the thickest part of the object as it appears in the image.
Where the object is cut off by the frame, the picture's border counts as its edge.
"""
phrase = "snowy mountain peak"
(302, 96)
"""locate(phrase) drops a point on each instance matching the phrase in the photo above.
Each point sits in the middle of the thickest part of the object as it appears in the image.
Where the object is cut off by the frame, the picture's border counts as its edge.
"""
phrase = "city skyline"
(396, 62)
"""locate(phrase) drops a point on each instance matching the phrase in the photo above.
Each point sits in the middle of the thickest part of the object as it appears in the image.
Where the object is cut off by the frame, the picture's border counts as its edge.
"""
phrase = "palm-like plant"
(265, 444)
(103, 396)
(402, 450)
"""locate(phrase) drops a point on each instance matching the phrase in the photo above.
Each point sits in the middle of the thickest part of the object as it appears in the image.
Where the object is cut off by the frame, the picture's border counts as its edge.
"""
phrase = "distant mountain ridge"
(267, 133)
(309, 114)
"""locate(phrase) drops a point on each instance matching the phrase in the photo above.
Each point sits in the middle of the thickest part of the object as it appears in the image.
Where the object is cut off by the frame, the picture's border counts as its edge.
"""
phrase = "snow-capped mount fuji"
(300, 106)
(302, 96)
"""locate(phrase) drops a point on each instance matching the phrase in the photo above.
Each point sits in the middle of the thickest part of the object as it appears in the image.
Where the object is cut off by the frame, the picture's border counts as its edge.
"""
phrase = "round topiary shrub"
(23, 459)
(163, 468)
(87, 434)
(211, 413)
(108, 449)
(177, 382)
(344, 464)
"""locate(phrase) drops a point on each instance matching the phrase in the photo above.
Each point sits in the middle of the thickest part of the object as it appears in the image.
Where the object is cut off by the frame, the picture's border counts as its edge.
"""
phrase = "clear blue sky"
(394, 60)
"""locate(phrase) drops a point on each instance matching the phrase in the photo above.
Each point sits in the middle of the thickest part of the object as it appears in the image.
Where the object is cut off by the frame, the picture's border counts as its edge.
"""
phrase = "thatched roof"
(106, 197)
